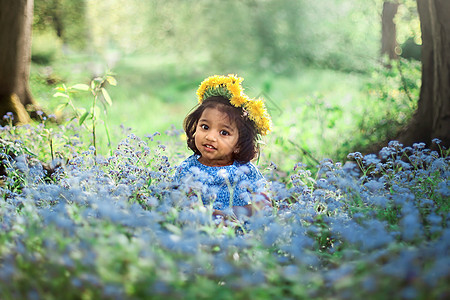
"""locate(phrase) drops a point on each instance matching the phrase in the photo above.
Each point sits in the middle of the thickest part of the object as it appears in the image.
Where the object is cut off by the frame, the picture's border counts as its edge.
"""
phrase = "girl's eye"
(204, 127)
(224, 132)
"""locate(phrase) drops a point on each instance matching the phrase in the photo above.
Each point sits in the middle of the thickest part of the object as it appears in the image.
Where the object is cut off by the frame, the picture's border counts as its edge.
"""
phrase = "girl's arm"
(261, 204)
(248, 209)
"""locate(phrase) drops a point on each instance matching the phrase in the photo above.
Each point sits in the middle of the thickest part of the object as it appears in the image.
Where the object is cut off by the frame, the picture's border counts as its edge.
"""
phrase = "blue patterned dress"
(222, 186)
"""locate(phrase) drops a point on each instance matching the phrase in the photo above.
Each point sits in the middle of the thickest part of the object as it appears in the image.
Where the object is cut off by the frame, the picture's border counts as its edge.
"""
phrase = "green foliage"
(220, 90)
(407, 22)
(282, 36)
(317, 114)
(392, 96)
(100, 101)
(46, 47)
(65, 19)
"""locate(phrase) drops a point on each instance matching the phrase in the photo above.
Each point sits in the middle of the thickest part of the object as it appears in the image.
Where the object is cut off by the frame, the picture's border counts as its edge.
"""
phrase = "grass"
(313, 110)
(317, 113)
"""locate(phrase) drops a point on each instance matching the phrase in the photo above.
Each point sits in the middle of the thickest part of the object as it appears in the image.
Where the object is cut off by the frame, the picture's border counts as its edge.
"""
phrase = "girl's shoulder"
(190, 160)
(188, 163)
(249, 169)
(185, 167)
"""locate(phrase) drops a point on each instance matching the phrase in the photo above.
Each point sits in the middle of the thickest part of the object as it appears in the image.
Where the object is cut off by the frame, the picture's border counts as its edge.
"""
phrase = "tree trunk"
(57, 18)
(16, 18)
(432, 118)
(388, 29)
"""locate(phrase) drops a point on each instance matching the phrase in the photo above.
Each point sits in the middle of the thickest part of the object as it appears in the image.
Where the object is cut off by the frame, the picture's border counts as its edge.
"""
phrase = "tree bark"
(432, 117)
(16, 18)
(388, 29)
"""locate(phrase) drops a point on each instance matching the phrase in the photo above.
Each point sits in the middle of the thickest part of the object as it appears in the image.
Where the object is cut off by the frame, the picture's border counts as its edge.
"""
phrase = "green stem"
(107, 134)
(51, 148)
(94, 103)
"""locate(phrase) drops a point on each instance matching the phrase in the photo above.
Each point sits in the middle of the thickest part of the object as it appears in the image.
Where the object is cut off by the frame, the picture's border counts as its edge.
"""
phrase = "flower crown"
(230, 88)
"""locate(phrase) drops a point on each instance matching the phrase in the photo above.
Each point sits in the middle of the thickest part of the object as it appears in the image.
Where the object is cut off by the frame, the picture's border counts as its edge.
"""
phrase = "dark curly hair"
(248, 137)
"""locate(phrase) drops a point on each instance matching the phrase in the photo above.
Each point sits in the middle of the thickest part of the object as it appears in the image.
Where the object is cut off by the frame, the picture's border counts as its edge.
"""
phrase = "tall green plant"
(100, 102)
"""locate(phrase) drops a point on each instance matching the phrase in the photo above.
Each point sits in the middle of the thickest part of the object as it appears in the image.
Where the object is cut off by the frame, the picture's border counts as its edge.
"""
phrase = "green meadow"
(317, 113)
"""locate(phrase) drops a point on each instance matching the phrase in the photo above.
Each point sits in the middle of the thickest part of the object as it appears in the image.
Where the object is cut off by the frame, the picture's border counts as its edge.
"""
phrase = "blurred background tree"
(389, 45)
(66, 18)
(15, 56)
(432, 117)
(260, 33)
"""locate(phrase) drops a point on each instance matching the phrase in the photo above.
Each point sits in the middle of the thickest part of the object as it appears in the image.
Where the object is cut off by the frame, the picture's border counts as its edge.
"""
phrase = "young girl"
(223, 131)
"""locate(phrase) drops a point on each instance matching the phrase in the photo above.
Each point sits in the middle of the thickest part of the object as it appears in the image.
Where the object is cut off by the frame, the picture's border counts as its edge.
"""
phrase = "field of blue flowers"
(79, 226)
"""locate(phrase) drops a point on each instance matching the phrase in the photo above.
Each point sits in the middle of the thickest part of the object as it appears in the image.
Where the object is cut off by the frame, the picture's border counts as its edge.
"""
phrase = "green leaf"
(83, 117)
(80, 87)
(111, 80)
(58, 94)
(106, 96)
(28, 151)
(61, 107)
(71, 119)
(173, 228)
(59, 88)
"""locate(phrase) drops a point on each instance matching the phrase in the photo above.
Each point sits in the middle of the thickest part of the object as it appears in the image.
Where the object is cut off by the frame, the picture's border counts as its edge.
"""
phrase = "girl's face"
(216, 138)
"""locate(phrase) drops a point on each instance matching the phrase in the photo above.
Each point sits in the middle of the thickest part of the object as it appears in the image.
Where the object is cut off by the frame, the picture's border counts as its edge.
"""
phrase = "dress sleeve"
(178, 174)
(255, 175)
(181, 171)
(253, 182)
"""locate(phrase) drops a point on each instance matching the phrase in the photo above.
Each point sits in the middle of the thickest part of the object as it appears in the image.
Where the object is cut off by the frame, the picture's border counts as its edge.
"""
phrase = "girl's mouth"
(209, 147)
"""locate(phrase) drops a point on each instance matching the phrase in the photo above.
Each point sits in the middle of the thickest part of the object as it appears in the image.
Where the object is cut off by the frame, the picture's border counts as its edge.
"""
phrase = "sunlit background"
(317, 64)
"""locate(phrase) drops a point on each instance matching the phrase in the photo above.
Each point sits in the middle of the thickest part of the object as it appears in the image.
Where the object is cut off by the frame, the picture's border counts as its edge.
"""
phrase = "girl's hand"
(258, 205)
(247, 210)
(222, 216)
(217, 213)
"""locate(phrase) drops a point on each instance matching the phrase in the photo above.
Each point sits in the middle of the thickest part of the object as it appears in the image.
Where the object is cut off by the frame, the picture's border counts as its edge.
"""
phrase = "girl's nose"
(210, 137)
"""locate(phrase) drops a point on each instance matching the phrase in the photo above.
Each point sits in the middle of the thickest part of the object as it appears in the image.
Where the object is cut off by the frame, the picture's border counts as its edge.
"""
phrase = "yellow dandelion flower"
(265, 125)
(235, 78)
(234, 88)
(240, 100)
(258, 114)
(255, 108)
(216, 81)
(200, 93)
